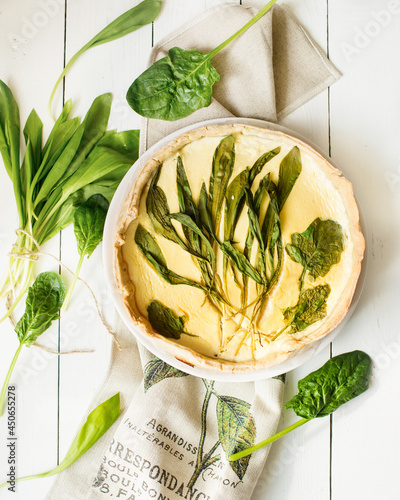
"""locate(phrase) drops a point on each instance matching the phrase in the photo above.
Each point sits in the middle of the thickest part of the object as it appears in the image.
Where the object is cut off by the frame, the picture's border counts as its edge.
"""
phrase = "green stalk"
(248, 451)
(60, 78)
(7, 380)
(263, 11)
(73, 283)
(26, 280)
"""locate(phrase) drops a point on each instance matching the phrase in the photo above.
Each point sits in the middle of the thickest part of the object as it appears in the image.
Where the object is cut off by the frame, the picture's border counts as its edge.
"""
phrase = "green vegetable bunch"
(77, 161)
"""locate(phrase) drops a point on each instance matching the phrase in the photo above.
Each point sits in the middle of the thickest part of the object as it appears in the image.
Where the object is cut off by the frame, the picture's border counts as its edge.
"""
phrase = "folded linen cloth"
(175, 430)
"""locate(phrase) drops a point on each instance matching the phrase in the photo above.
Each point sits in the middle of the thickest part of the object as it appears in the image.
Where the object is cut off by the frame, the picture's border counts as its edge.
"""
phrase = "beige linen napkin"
(175, 430)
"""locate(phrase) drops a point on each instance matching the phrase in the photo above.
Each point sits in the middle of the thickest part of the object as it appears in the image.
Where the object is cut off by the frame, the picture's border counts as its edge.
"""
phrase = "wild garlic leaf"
(339, 380)
(261, 162)
(164, 321)
(289, 171)
(89, 219)
(131, 20)
(318, 248)
(185, 197)
(158, 210)
(189, 223)
(310, 307)
(240, 262)
(174, 86)
(44, 300)
(234, 197)
(150, 249)
(204, 210)
(9, 130)
(148, 245)
(222, 167)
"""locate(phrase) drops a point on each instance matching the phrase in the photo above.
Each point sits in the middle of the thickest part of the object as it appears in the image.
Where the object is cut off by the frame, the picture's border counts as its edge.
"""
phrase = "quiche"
(238, 247)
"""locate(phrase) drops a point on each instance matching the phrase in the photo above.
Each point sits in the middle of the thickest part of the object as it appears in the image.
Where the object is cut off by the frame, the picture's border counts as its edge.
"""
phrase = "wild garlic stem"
(60, 78)
(263, 11)
(248, 451)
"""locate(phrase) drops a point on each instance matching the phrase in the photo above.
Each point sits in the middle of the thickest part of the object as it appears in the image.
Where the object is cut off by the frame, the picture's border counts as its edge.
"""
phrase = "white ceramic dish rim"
(108, 256)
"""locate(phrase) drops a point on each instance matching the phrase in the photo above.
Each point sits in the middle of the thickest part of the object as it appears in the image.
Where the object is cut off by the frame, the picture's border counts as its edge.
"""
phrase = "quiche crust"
(291, 345)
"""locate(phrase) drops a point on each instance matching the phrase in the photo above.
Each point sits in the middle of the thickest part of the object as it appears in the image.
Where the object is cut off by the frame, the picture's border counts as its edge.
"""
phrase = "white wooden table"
(355, 453)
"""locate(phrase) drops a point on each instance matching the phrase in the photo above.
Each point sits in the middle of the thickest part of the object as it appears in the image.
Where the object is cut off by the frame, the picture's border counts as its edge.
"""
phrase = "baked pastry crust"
(293, 344)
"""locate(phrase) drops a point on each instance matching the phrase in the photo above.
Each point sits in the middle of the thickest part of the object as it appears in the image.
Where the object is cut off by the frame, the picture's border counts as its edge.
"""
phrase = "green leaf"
(234, 196)
(158, 210)
(157, 370)
(140, 15)
(203, 208)
(181, 82)
(260, 162)
(222, 167)
(189, 223)
(322, 392)
(89, 221)
(240, 262)
(97, 424)
(318, 248)
(9, 144)
(174, 86)
(81, 144)
(44, 300)
(148, 245)
(33, 132)
(310, 307)
(339, 380)
(150, 249)
(236, 429)
(289, 171)
(9, 130)
(164, 321)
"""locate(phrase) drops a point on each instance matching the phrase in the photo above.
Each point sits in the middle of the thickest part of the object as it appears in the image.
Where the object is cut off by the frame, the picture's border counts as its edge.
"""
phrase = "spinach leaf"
(318, 248)
(181, 82)
(310, 308)
(97, 424)
(339, 380)
(164, 321)
(44, 300)
(89, 220)
(174, 86)
(140, 15)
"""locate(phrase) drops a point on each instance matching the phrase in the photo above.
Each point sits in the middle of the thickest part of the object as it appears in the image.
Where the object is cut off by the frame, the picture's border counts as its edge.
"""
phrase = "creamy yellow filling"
(313, 196)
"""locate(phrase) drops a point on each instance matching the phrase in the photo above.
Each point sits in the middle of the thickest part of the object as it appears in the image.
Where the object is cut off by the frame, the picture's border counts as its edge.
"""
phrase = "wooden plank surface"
(353, 455)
